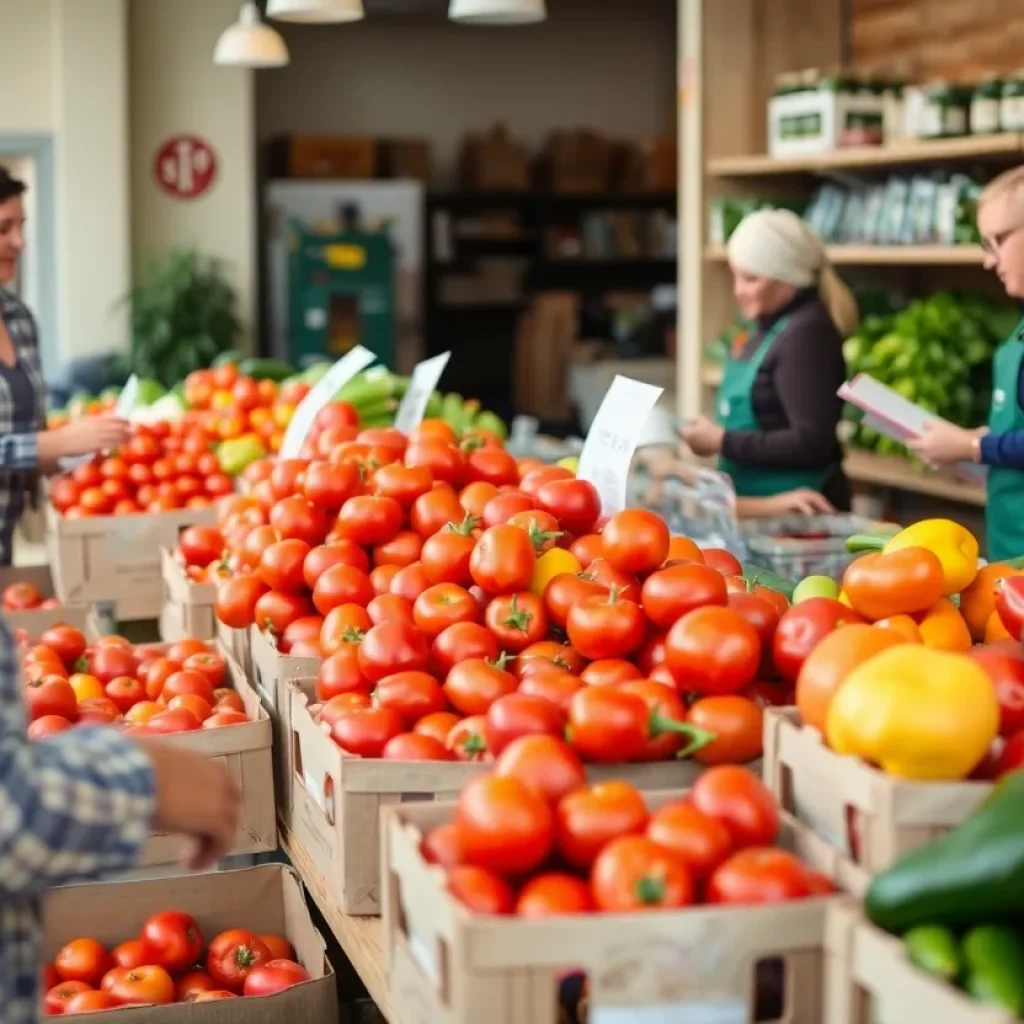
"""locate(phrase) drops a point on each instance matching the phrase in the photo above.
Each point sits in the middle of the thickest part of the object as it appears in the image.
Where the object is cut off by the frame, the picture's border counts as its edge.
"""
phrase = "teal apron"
(1004, 511)
(736, 412)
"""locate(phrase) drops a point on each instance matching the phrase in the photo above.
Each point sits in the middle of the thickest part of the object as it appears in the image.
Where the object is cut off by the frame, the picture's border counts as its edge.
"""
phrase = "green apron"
(1004, 510)
(735, 411)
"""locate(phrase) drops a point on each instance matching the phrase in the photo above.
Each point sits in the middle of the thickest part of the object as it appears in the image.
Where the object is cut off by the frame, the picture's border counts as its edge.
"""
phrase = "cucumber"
(232, 357)
(265, 369)
(934, 949)
(994, 961)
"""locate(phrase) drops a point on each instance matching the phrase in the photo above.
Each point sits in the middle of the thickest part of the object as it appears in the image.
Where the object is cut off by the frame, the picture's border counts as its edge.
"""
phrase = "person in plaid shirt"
(26, 447)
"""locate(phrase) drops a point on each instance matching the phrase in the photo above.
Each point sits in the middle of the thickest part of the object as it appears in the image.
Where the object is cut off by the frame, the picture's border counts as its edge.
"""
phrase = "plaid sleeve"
(19, 451)
(74, 806)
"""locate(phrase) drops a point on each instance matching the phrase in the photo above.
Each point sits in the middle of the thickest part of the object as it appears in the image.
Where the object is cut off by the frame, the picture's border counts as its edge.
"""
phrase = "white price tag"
(700, 1011)
(322, 392)
(422, 385)
(128, 397)
(612, 440)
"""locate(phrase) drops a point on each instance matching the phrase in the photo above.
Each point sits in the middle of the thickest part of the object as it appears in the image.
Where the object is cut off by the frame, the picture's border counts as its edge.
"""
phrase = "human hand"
(703, 437)
(196, 798)
(943, 443)
(802, 500)
(91, 434)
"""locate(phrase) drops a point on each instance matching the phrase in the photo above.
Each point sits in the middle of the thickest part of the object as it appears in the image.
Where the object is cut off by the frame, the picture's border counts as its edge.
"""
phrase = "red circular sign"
(185, 166)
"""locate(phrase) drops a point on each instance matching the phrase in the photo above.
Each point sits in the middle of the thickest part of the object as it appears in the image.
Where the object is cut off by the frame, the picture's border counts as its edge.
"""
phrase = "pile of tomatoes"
(23, 596)
(168, 962)
(229, 405)
(533, 839)
(162, 467)
(444, 583)
(150, 690)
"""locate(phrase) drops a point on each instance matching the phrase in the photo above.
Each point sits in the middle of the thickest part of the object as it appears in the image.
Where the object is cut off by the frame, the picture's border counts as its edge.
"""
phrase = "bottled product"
(986, 106)
(946, 111)
(1012, 103)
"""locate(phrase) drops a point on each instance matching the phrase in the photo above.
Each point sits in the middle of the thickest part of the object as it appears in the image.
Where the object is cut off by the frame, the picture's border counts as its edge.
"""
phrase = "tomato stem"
(465, 528)
(659, 724)
(539, 538)
(650, 890)
(516, 618)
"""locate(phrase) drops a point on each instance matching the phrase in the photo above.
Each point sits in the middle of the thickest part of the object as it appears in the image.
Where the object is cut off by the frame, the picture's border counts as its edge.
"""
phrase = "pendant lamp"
(315, 12)
(249, 43)
(497, 12)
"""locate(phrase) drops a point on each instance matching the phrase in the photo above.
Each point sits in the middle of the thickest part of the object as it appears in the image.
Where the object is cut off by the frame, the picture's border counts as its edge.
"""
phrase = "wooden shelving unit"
(887, 255)
(901, 475)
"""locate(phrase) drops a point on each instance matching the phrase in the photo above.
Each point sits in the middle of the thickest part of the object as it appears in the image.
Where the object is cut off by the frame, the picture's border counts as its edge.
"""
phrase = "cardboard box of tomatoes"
(335, 797)
(866, 967)
(28, 602)
(140, 921)
(867, 817)
(188, 603)
(116, 557)
(676, 959)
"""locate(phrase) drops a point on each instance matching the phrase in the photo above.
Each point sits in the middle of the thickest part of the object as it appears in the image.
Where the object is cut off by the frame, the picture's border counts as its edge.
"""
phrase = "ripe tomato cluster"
(168, 962)
(229, 405)
(162, 467)
(148, 690)
(459, 597)
(533, 839)
(25, 597)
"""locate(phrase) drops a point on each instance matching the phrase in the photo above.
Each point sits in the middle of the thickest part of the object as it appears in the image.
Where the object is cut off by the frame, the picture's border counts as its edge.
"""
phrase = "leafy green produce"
(934, 949)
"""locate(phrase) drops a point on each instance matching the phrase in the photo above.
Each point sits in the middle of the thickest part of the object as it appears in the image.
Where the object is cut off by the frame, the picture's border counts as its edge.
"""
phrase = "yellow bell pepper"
(916, 712)
(956, 548)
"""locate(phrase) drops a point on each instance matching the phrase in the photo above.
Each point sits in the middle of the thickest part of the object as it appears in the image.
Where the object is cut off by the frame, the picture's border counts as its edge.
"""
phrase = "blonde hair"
(1005, 184)
(778, 244)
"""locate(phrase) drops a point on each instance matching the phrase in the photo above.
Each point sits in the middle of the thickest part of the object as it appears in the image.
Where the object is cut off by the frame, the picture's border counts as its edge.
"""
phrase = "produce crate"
(238, 645)
(700, 964)
(869, 977)
(868, 818)
(336, 798)
(188, 606)
(36, 620)
(246, 750)
(116, 558)
(271, 674)
(262, 899)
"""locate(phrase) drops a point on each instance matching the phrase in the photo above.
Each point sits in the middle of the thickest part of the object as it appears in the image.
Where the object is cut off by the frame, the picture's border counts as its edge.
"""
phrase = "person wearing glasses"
(26, 446)
(1000, 445)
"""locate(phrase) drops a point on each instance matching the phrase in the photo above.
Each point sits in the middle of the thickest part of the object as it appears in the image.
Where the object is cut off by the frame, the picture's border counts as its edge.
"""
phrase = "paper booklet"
(895, 416)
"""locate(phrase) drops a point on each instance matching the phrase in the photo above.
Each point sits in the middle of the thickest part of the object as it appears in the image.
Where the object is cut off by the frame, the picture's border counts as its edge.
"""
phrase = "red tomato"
(20, 597)
(83, 960)
(434, 510)
(213, 666)
(443, 845)
(51, 696)
(724, 561)
(518, 621)
(275, 976)
(329, 485)
(518, 714)
(633, 873)
(508, 827)
(665, 706)
(492, 465)
(608, 626)
(340, 673)
(740, 801)
(409, 582)
(802, 628)
(232, 957)
(390, 606)
(502, 561)
(130, 954)
(503, 506)
(403, 483)
(187, 681)
(460, 642)
(366, 731)
(275, 611)
(472, 686)
(466, 739)
(125, 692)
(90, 1002)
(670, 593)
(48, 725)
(565, 590)
(297, 518)
(236, 600)
(139, 986)
(446, 555)
(438, 725)
(574, 503)
(190, 984)
(337, 552)
(610, 672)
(1004, 663)
(635, 541)
(553, 893)
(762, 614)
(340, 585)
(281, 565)
(701, 840)
(445, 461)
(758, 875)
(403, 549)
(547, 655)
(590, 818)
(392, 647)
(444, 605)
(713, 650)
(737, 724)
(480, 890)
(1010, 758)
(413, 695)
(553, 685)
(56, 1000)
(108, 663)
(545, 763)
(370, 519)
(415, 746)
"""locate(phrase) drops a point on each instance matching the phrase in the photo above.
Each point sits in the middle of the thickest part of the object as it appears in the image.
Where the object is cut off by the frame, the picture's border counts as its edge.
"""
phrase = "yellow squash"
(956, 548)
(916, 712)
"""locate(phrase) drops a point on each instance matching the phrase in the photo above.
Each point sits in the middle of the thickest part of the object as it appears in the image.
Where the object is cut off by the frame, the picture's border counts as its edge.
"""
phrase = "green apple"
(815, 586)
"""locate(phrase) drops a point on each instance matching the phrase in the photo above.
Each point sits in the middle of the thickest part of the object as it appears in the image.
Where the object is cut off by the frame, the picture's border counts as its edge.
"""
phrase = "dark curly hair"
(10, 187)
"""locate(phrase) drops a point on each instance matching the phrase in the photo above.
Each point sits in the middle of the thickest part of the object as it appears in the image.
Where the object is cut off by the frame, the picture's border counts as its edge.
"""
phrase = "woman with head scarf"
(777, 409)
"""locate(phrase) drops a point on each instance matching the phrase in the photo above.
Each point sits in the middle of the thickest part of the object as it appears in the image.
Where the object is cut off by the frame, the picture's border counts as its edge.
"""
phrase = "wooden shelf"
(886, 255)
(1004, 146)
(899, 474)
(359, 937)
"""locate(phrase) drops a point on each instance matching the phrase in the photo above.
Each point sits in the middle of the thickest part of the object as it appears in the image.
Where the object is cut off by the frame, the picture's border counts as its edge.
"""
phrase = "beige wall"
(26, 67)
(605, 64)
(176, 89)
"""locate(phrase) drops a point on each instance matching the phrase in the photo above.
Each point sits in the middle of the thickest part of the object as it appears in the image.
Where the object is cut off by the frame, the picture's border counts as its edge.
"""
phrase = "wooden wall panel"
(959, 40)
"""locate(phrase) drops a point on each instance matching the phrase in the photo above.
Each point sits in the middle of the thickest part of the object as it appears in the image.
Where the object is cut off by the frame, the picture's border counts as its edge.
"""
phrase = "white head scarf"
(779, 245)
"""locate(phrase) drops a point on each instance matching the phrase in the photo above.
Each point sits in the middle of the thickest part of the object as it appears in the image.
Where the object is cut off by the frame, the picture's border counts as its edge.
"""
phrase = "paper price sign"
(422, 385)
(322, 392)
(611, 442)
(128, 397)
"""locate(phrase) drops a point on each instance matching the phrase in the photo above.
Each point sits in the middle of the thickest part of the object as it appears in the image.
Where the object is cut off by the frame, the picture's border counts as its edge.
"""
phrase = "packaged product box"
(262, 899)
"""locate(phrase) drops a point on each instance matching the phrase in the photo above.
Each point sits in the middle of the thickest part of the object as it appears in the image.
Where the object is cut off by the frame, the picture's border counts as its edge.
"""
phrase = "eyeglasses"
(994, 243)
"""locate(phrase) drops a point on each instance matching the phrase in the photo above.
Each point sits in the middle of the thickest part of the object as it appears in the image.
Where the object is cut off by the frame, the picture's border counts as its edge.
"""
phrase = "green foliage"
(183, 313)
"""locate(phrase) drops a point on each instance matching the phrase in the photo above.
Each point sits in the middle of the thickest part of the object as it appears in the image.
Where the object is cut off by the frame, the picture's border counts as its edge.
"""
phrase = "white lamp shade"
(497, 12)
(316, 12)
(250, 44)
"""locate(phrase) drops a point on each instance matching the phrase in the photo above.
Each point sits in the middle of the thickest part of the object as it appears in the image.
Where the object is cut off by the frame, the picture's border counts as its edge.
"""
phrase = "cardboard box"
(869, 977)
(246, 750)
(116, 558)
(38, 620)
(815, 121)
(336, 798)
(323, 156)
(449, 966)
(188, 606)
(271, 674)
(263, 899)
(869, 819)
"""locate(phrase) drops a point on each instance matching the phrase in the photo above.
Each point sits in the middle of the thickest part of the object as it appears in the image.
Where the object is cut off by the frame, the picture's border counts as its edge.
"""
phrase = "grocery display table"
(359, 937)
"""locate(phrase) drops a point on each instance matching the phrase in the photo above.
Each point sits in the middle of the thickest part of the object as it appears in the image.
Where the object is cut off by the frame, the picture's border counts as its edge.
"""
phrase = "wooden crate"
(188, 606)
(38, 620)
(323, 156)
(869, 977)
(238, 645)
(246, 751)
(868, 818)
(449, 966)
(116, 558)
(335, 798)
